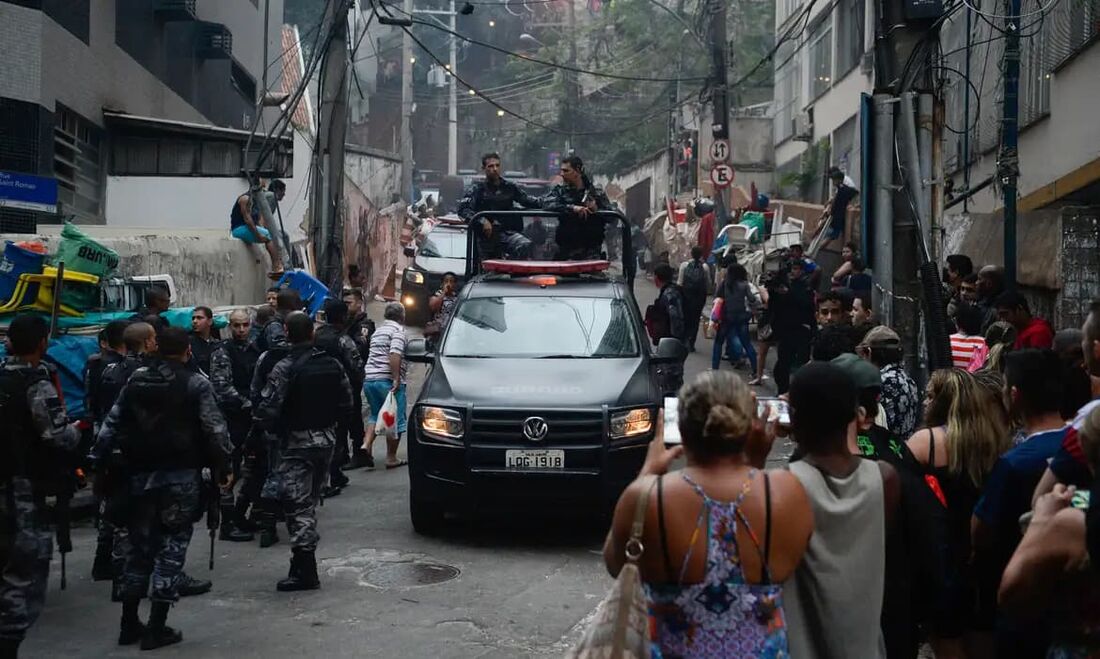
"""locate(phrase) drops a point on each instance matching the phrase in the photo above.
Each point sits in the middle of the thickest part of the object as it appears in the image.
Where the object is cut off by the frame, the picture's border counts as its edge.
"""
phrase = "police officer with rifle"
(166, 427)
(36, 442)
(113, 350)
(306, 395)
(231, 368)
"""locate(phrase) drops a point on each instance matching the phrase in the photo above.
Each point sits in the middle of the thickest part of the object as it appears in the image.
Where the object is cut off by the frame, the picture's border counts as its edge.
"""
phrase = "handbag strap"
(634, 547)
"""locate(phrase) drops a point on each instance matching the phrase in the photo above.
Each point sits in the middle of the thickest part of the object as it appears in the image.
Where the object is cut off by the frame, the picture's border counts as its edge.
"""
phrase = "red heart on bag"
(389, 418)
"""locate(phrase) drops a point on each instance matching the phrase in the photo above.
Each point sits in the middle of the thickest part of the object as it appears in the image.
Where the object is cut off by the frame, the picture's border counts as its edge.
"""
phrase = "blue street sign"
(33, 193)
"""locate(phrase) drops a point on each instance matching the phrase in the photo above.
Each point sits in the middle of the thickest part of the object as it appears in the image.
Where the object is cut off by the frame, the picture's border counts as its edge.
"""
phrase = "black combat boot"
(101, 566)
(241, 517)
(267, 523)
(190, 586)
(158, 634)
(230, 531)
(359, 460)
(303, 573)
(9, 648)
(131, 630)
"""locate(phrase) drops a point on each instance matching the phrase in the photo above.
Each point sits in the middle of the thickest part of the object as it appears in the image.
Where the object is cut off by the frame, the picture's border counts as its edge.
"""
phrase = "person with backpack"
(332, 337)
(696, 280)
(304, 399)
(738, 303)
(36, 433)
(665, 319)
(166, 426)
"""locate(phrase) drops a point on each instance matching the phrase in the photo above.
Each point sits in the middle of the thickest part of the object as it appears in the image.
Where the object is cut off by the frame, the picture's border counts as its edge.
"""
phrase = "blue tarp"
(69, 354)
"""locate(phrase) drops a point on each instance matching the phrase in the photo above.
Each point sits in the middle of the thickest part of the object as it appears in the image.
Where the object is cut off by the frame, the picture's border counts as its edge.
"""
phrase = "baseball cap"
(863, 373)
(881, 337)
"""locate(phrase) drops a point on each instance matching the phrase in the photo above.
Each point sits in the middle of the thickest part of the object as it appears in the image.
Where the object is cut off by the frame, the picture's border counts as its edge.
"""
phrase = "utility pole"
(720, 91)
(1008, 160)
(406, 110)
(452, 109)
(328, 183)
(573, 91)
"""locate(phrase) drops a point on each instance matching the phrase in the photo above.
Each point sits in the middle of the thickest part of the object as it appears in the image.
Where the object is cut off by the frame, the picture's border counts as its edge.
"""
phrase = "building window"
(73, 15)
(821, 57)
(1074, 25)
(849, 35)
(787, 8)
(144, 156)
(1034, 80)
(77, 164)
(788, 89)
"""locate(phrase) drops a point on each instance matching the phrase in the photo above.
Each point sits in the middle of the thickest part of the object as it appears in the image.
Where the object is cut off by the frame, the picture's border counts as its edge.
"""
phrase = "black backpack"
(695, 279)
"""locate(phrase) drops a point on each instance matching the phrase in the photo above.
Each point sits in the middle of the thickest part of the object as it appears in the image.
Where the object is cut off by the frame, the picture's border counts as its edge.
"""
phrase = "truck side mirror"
(669, 351)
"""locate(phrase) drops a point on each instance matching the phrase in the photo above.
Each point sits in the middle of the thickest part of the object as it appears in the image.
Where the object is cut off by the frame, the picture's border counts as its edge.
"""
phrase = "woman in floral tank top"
(713, 560)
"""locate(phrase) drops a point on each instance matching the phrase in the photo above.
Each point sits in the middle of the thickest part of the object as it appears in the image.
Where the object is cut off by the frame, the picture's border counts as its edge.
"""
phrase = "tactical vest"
(264, 365)
(22, 451)
(162, 418)
(261, 340)
(114, 378)
(17, 429)
(243, 362)
(313, 392)
(327, 338)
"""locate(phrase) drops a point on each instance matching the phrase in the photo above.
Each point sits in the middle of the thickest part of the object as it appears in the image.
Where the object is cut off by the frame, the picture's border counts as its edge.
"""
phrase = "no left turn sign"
(721, 175)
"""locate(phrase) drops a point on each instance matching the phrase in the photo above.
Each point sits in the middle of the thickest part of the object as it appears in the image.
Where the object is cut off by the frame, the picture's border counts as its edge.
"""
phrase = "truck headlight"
(631, 423)
(414, 276)
(441, 422)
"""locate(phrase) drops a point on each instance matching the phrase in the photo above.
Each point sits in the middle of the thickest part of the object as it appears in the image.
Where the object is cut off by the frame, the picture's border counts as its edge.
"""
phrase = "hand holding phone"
(671, 415)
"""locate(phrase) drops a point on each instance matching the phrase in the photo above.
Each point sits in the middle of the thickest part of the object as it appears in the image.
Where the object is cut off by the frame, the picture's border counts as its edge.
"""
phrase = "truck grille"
(565, 426)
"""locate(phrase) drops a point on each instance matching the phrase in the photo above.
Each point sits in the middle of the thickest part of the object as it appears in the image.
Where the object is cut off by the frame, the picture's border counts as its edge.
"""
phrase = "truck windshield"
(447, 244)
(541, 327)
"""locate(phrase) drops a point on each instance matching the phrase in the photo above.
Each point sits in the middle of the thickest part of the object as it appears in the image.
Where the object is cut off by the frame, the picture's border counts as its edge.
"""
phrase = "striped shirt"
(963, 347)
(388, 339)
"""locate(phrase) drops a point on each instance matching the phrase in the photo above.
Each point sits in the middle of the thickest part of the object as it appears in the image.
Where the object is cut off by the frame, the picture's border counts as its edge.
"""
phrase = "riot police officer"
(34, 437)
(231, 368)
(166, 427)
(303, 399)
(260, 483)
(113, 350)
(333, 339)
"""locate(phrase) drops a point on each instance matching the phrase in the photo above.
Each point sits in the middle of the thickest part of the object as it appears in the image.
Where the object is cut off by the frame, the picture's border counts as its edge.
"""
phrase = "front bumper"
(470, 475)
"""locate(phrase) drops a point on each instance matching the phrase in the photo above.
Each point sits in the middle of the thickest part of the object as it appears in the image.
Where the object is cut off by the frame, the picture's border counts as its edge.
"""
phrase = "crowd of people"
(251, 431)
(953, 518)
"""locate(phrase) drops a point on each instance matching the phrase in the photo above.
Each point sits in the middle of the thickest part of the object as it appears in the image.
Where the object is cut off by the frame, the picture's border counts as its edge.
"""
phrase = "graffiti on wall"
(371, 238)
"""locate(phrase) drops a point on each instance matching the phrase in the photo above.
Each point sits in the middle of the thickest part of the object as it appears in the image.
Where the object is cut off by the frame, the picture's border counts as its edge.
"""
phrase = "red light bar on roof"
(544, 267)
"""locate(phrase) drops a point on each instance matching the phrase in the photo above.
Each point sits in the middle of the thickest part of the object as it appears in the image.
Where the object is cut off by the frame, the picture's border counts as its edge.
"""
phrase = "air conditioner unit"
(175, 10)
(214, 41)
(804, 127)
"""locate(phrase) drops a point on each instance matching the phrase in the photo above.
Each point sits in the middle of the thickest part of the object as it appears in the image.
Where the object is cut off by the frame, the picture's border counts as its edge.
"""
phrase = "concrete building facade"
(821, 68)
(70, 63)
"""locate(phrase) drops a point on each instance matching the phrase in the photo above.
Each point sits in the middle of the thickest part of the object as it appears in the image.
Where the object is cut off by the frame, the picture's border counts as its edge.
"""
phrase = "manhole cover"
(407, 575)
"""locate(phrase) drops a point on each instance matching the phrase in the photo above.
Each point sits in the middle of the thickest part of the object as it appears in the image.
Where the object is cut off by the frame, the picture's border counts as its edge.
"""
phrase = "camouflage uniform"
(578, 237)
(94, 412)
(164, 502)
(113, 531)
(306, 453)
(338, 344)
(26, 543)
(231, 381)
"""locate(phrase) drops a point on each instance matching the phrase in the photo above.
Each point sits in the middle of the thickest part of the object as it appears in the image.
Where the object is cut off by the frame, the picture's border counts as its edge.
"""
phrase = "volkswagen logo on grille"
(535, 428)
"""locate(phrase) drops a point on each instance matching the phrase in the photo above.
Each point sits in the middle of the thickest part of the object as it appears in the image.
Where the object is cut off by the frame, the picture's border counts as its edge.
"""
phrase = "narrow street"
(517, 587)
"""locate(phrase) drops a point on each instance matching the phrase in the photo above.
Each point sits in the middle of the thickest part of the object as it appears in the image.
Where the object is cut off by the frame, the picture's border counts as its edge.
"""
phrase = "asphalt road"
(515, 587)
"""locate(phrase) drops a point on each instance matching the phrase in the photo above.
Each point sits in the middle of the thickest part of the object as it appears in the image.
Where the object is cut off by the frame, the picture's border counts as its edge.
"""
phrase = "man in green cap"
(873, 440)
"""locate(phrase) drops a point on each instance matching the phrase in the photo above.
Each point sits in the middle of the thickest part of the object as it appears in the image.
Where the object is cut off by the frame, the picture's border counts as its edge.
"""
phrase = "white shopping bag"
(387, 418)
